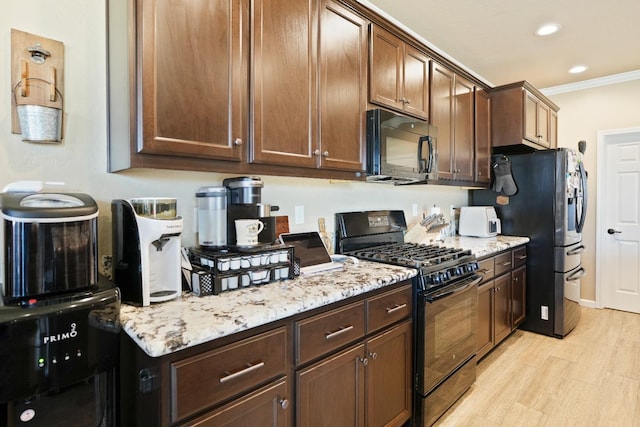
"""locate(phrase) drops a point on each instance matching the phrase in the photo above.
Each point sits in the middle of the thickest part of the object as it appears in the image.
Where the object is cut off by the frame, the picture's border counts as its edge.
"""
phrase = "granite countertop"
(483, 246)
(163, 328)
(167, 327)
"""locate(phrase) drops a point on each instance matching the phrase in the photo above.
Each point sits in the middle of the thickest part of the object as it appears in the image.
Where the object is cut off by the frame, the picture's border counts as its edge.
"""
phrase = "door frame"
(604, 138)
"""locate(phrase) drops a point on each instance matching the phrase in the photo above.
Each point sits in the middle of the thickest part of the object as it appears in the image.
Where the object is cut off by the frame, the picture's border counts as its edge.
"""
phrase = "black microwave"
(400, 149)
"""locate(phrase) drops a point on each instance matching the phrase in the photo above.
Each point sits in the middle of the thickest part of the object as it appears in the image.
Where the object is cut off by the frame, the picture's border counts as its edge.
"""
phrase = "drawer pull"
(506, 263)
(395, 308)
(485, 271)
(340, 331)
(250, 368)
(521, 257)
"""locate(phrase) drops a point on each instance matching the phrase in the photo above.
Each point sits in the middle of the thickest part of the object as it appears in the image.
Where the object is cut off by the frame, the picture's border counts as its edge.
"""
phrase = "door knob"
(612, 231)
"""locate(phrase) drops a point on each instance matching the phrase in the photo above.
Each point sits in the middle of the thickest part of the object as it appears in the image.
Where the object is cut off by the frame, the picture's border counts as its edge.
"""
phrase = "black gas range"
(379, 236)
(445, 306)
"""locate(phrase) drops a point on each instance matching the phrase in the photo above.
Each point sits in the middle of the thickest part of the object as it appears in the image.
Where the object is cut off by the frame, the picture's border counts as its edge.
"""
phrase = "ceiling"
(495, 40)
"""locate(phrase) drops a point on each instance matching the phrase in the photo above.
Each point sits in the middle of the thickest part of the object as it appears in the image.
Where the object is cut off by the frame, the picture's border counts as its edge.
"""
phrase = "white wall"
(582, 115)
(80, 160)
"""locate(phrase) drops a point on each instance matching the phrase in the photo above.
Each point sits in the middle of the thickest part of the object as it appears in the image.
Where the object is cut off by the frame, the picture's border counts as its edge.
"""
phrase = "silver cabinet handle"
(325, 154)
(340, 331)
(316, 152)
(522, 257)
(250, 368)
(485, 271)
(237, 141)
(506, 263)
(374, 356)
(284, 403)
(363, 360)
(395, 308)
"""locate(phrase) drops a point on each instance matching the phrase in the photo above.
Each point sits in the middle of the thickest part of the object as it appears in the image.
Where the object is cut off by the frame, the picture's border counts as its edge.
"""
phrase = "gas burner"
(427, 258)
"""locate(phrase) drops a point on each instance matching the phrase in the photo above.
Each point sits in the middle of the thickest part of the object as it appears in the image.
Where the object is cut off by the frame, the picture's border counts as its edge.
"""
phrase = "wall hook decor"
(37, 80)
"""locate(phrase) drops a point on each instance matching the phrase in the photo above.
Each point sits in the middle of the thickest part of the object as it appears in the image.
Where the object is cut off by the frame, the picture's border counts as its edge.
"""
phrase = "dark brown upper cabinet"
(399, 74)
(452, 112)
(523, 119)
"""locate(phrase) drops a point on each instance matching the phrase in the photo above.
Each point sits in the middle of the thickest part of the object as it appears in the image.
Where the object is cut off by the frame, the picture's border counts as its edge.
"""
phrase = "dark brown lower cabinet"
(344, 364)
(518, 296)
(265, 407)
(501, 297)
(365, 385)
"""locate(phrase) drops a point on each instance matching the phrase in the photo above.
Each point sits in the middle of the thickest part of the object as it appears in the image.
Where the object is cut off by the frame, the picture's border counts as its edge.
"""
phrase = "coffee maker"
(146, 249)
(244, 201)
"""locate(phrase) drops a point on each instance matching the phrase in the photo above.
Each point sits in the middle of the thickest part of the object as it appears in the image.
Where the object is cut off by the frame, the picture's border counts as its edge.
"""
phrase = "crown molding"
(589, 84)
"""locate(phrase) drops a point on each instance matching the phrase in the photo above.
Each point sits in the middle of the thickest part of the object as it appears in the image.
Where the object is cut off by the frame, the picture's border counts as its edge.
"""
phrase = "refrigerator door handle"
(583, 185)
(580, 273)
(576, 251)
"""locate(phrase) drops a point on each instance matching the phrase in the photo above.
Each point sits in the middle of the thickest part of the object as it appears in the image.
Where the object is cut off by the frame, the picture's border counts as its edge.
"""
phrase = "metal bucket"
(40, 124)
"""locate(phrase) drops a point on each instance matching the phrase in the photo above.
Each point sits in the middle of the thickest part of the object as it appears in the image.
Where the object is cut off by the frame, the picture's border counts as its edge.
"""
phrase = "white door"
(618, 252)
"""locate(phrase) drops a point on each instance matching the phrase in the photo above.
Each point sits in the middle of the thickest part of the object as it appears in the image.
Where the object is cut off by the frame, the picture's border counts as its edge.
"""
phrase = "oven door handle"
(455, 289)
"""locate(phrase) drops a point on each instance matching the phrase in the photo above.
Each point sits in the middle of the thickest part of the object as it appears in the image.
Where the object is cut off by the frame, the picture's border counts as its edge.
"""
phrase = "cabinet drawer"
(503, 263)
(487, 268)
(328, 331)
(519, 257)
(203, 380)
(388, 308)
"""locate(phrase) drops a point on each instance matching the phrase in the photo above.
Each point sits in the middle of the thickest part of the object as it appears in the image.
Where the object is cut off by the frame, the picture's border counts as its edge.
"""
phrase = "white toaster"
(479, 221)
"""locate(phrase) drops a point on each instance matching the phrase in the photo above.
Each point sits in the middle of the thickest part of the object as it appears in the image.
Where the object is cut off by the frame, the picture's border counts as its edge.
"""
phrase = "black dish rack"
(223, 270)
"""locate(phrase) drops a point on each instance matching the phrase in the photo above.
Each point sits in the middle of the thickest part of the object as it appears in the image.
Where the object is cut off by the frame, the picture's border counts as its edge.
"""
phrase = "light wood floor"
(589, 378)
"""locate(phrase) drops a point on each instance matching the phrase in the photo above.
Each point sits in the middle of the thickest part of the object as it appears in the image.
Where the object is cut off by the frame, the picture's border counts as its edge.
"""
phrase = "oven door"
(447, 322)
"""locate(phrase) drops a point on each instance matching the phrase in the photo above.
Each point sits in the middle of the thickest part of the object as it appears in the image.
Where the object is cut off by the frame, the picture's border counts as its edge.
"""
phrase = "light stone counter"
(483, 246)
(167, 327)
(163, 328)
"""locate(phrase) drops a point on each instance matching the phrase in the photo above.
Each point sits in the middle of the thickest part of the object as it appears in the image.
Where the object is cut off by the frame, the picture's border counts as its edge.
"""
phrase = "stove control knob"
(472, 266)
(455, 271)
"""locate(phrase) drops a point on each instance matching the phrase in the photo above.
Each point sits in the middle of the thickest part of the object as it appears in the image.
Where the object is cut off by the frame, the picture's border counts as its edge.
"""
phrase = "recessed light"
(547, 29)
(578, 69)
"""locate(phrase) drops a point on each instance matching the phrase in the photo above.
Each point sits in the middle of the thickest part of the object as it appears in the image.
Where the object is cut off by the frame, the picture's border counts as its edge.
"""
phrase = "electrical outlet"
(414, 209)
(544, 312)
(299, 214)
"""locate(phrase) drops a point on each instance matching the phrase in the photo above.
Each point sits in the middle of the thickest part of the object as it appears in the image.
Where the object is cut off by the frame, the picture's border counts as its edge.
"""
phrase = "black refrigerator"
(549, 207)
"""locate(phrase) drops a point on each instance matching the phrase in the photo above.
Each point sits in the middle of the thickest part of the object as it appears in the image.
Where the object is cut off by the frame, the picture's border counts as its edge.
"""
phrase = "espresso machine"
(146, 249)
(59, 320)
(244, 201)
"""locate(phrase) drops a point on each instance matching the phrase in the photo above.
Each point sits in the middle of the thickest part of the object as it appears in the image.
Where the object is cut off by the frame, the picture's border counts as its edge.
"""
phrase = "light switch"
(299, 214)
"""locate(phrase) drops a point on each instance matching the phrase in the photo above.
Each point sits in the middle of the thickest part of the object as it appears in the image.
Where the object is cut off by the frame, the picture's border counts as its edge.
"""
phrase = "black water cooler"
(59, 321)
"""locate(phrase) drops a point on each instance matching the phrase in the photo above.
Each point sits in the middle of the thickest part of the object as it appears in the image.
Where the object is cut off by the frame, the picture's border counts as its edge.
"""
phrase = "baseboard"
(588, 303)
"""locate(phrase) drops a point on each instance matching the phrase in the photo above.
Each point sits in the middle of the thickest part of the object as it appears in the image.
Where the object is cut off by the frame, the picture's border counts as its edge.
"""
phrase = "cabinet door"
(485, 318)
(332, 392)
(416, 82)
(343, 96)
(530, 117)
(518, 296)
(463, 134)
(483, 137)
(389, 386)
(543, 124)
(553, 129)
(193, 71)
(386, 68)
(442, 96)
(284, 82)
(502, 304)
(266, 407)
